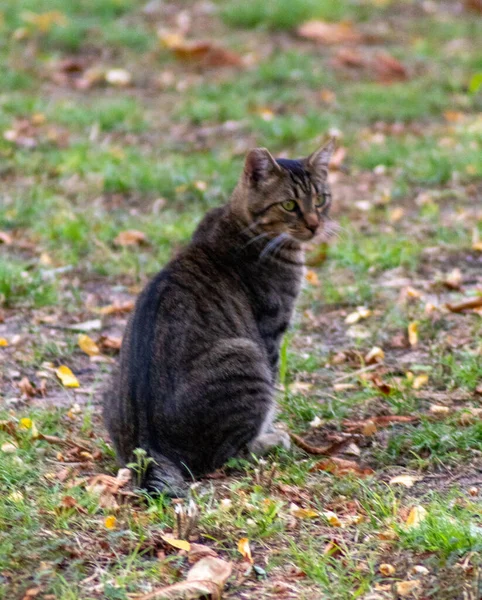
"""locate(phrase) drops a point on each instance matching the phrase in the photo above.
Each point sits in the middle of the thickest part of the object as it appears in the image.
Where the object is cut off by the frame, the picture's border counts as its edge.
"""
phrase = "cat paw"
(266, 442)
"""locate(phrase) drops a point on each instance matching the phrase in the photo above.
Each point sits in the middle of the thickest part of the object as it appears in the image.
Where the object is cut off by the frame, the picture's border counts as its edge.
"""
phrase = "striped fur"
(199, 357)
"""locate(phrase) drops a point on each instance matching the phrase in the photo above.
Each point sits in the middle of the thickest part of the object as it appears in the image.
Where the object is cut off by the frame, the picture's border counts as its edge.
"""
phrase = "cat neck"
(234, 237)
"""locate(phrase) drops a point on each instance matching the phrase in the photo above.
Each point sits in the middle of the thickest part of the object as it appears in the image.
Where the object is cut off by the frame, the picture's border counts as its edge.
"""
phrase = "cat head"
(281, 196)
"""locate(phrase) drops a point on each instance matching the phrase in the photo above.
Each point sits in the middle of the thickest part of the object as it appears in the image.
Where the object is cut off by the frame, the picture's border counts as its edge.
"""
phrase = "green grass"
(155, 159)
(282, 14)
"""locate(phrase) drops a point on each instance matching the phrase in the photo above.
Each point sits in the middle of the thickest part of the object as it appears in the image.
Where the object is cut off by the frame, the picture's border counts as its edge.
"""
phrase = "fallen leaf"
(420, 570)
(109, 343)
(419, 381)
(118, 77)
(340, 467)
(245, 550)
(376, 355)
(439, 410)
(413, 333)
(66, 376)
(369, 428)
(175, 543)
(206, 579)
(87, 345)
(198, 551)
(379, 422)
(3, 343)
(416, 516)
(349, 57)
(475, 5)
(468, 304)
(26, 387)
(388, 68)
(407, 588)
(312, 278)
(381, 385)
(361, 313)
(110, 522)
(386, 569)
(116, 308)
(130, 237)
(206, 53)
(329, 33)
(407, 481)
(332, 518)
(332, 549)
(86, 325)
(44, 22)
(302, 513)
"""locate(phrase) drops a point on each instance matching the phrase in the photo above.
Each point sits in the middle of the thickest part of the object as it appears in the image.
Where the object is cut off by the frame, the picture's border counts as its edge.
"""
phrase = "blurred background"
(121, 123)
(118, 114)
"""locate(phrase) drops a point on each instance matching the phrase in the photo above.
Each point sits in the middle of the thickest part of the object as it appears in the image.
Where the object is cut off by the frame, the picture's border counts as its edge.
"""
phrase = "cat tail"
(164, 477)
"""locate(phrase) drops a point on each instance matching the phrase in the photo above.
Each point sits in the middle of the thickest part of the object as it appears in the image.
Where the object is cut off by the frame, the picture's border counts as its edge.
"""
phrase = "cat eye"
(321, 202)
(289, 205)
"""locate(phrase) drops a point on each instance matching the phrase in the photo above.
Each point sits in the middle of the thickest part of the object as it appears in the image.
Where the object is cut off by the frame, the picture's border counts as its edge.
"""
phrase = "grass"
(154, 158)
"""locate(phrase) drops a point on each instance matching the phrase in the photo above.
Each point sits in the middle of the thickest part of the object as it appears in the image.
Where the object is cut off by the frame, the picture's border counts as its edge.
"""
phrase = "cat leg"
(266, 442)
(164, 477)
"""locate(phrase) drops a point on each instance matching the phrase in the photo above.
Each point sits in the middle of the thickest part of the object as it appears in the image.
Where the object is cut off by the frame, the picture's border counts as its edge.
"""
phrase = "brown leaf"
(349, 57)
(379, 422)
(130, 237)
(319, 450)
(206, 578)
(26, 388)
(467, 304)
(388, 68)
(329, 33)
(340, 467)
(205, 53)
(474, 5)
(116, 308)
(106, 342)
(198, 551)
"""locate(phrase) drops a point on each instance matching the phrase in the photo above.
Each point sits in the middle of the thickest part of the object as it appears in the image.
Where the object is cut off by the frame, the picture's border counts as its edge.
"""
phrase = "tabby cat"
(199, 357)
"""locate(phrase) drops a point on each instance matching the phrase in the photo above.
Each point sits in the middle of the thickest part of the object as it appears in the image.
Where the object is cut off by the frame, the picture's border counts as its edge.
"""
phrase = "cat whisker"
(271, 246)
(255, 239)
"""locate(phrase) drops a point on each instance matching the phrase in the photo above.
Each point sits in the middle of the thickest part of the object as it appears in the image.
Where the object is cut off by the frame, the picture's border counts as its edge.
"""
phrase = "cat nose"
(312, 222)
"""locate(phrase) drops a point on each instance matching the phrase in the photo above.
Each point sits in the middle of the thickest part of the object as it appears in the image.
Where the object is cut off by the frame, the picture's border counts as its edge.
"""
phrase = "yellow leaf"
(396, 214)
(181, 544)
(110, 522)
(419, 381)
(375, 355)
(413, 333)
(477, 246)
(386, 569)
(416, 516)
(332, 518)
(302, 513)
(405, 480)
(362, 312)
(439, 410)
(25, 423)
(244, 549)
(3, 342)
(67, 377)
(87, 345)
(407, 588)
(312, 277)
(44, 21)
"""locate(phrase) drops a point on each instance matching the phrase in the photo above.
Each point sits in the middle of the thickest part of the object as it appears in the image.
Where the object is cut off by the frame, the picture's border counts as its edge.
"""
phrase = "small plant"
(140, 465)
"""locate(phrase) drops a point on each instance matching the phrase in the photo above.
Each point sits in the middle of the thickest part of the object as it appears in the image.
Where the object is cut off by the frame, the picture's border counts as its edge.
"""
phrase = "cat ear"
(320, 159)
(260, 165)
